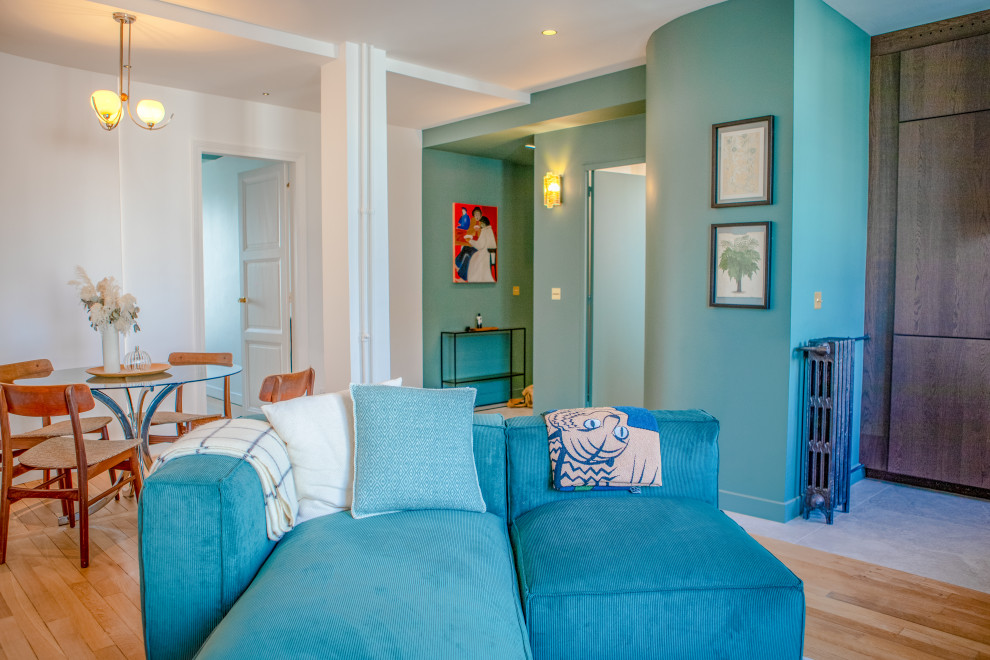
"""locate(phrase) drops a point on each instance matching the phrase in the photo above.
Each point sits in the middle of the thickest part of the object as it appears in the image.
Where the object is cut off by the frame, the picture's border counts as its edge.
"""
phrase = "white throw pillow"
(319, 434)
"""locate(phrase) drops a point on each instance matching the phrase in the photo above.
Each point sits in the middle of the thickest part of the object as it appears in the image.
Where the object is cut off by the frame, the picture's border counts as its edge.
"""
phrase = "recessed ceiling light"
(549, 33)
(265, 94)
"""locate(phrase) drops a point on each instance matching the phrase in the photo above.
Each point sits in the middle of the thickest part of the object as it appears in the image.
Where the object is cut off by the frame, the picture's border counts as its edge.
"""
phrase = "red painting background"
(490, 212)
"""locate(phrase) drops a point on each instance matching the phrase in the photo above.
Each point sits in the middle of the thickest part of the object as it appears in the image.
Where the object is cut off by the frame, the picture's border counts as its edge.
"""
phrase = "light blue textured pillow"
(413, 449)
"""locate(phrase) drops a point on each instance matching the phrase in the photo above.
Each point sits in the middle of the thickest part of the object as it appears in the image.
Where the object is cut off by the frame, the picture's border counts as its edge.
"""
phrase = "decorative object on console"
(742, 162)
(475, 243)
(551, 190)
(110, 313)
(478, 323)
(740, 265)
(109, 106)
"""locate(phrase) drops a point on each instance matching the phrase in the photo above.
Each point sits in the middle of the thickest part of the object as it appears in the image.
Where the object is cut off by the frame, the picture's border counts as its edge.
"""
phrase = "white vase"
(111, 349)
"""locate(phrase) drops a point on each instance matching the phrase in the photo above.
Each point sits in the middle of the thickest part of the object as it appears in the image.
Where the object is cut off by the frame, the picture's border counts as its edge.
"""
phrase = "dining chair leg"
(113, 473)
(64, 503)
(136, 465)
(83, 491)
(70, 509)
(4, 526)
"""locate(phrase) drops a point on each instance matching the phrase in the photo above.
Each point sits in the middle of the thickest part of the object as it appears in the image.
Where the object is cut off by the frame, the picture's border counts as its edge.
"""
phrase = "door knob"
(242, 300)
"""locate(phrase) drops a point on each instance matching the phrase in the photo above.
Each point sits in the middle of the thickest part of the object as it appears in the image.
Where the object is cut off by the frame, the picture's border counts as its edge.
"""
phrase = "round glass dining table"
(136, 421)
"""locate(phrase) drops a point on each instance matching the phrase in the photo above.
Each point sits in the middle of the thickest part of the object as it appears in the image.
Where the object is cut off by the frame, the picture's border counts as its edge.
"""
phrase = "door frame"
(297, 231)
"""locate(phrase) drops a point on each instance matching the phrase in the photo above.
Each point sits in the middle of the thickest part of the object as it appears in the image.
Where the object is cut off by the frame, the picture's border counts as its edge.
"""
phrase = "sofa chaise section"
(658, 574)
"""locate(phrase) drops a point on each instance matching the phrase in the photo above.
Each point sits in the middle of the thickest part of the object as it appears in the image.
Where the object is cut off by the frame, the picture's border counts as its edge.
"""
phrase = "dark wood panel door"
(943, 227)
(880, 262)
(946, 79)
(940, 410)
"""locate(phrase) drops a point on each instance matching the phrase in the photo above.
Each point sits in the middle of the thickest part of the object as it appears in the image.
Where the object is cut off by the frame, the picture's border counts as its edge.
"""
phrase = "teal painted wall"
(560, 249)
(450, 178)
(734, 60)
(727, 62)
(612, 90)
(831, 98)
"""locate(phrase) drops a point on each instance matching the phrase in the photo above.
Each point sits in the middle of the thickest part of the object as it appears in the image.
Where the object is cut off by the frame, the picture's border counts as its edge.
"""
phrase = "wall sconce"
(551, 190)
(110, 106)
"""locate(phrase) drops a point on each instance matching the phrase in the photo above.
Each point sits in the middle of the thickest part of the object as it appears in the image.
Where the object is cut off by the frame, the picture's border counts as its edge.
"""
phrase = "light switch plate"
(555, 293)
(515, 291)
(818, 299)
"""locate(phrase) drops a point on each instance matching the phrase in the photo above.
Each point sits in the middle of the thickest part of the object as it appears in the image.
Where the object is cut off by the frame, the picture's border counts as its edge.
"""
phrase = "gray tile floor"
(928, 533)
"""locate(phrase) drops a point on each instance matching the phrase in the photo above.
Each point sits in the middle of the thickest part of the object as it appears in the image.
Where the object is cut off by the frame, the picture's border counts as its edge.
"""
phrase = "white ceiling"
(497, 42)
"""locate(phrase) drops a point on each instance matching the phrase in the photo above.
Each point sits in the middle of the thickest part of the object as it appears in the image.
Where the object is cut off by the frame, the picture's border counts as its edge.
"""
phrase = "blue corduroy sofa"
(544, 574)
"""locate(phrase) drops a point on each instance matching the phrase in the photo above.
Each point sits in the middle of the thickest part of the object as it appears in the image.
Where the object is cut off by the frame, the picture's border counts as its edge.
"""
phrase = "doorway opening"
(616, 291)
(247, 273)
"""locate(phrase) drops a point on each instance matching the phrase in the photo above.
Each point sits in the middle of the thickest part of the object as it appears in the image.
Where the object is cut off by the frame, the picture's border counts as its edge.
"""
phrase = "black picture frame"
(741, 268)
(743, 180)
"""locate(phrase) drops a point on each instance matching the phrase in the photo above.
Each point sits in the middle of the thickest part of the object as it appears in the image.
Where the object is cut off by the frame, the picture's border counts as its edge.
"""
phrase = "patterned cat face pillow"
(603, 448)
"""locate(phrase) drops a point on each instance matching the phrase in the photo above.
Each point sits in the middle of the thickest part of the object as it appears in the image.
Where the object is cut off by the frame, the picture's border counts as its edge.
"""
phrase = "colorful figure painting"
(475, 243)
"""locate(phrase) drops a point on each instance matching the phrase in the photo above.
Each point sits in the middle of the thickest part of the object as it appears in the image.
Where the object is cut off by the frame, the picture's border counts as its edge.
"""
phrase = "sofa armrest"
(688, 454)
(202, 538)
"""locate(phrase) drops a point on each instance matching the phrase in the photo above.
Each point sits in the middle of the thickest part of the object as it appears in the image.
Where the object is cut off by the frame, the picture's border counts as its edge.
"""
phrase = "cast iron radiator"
(827, 425)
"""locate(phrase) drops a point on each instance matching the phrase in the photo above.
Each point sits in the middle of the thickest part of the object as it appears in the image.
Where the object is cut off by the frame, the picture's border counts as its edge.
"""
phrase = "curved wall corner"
(730, 61)
(806, 65)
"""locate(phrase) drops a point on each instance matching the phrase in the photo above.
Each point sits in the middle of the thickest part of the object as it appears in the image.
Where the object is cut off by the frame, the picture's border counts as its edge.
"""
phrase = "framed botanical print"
(740, 265)
(742, 162)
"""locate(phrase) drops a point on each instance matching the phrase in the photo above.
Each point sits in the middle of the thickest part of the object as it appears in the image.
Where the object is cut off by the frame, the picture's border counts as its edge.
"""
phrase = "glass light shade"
(107, 107)
(150, 112)
(551, 190)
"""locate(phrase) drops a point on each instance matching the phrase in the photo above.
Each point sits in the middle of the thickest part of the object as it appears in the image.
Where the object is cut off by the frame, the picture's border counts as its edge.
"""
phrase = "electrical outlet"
(555, 293)
(818, 299)
(515, 291)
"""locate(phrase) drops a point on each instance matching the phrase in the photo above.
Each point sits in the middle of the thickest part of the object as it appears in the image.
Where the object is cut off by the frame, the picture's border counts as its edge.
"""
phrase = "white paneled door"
(265, 287)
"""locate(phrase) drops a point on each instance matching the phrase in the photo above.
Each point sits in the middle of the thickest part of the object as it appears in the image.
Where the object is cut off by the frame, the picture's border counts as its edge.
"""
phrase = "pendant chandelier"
(109, 106)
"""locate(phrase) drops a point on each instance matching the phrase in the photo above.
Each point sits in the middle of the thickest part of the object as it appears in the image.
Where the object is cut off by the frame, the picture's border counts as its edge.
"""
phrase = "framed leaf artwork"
(740, 265)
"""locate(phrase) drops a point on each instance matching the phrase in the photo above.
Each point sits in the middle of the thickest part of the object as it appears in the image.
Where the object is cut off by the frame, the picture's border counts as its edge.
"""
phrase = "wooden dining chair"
(185, 422)
(282, 387)
(21, 442)
(62, 455)
(39, 369)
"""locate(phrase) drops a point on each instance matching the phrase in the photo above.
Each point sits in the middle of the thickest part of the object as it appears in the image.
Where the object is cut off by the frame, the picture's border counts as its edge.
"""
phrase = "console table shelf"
(510, 367)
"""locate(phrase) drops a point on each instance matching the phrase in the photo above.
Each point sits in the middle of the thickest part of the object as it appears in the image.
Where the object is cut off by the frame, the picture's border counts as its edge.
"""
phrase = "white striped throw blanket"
(603, 448)
(257, 443)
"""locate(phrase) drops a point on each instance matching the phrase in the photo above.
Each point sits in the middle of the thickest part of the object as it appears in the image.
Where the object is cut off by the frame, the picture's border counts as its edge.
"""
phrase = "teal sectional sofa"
(544, 574)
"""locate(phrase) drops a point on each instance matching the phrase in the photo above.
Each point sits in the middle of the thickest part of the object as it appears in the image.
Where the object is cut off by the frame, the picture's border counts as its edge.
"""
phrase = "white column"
(354, 175)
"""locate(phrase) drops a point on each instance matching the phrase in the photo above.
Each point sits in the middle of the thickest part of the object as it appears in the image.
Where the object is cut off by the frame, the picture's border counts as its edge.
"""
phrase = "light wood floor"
(50, 608)
(861, 610)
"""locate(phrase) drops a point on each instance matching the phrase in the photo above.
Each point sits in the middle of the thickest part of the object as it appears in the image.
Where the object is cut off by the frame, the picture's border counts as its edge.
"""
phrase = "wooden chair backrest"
(282, 387)
(47, 400)
(29, 369)
(222, 359)
(44, 401)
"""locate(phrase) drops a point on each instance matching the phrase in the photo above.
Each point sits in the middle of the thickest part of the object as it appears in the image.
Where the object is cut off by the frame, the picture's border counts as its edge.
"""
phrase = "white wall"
(222, 263)
(59, 182)
(127, 203)
(405, 230)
